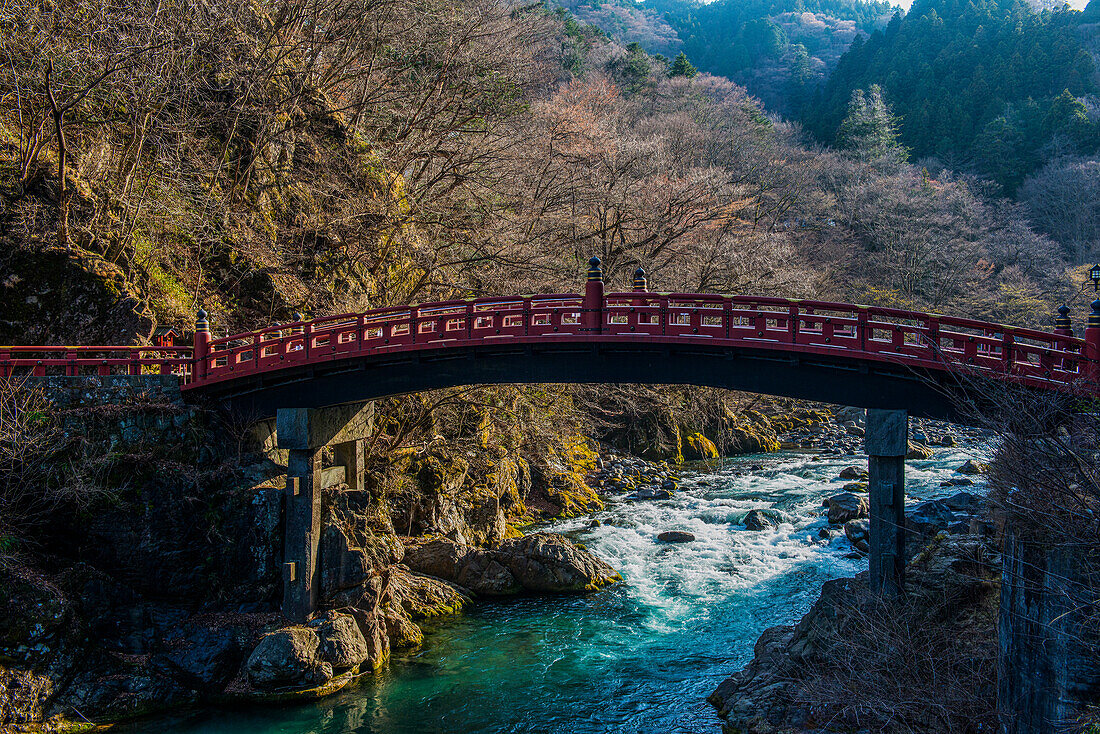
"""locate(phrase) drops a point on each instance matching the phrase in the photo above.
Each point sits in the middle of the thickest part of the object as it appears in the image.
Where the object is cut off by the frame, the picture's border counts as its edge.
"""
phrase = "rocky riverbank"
(853, 662)
(167, 594)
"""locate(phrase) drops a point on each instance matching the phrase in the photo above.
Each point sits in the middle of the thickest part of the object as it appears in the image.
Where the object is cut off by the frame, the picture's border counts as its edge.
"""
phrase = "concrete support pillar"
(302, 534)
(352, 456)
(887, 441)
(303, 433)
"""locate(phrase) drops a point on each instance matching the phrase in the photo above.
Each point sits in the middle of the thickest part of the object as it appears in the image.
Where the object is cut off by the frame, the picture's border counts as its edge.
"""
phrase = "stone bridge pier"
(887, 443)
(304, 433)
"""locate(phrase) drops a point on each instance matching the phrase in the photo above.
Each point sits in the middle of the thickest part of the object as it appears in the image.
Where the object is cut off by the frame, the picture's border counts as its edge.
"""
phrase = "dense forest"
(780, 50)
(990, 86)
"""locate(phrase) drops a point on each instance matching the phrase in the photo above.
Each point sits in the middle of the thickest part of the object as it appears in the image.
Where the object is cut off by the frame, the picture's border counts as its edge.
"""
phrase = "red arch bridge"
(313, 375)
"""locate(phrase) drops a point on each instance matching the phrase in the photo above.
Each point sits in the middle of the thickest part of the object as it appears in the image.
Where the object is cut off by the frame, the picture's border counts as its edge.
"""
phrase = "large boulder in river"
(473, 568)
(846, 506)
(341, 644)
(545, 562)
(676, 536)
(853, 472)
(918, 451)
(858, 533)
(973, 467)
(757, 520)
(698, 447)
(288, 658)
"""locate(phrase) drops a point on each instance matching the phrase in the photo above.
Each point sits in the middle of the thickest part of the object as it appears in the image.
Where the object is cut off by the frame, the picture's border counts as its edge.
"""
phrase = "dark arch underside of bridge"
(840, 380)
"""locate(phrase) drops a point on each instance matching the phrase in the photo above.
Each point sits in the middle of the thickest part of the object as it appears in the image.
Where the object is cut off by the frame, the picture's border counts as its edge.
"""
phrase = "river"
(639, 657)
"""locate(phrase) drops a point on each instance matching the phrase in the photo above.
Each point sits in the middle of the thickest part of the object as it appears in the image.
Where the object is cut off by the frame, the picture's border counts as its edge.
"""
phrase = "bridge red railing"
(919, 340)
(74, 361)
(811, 327)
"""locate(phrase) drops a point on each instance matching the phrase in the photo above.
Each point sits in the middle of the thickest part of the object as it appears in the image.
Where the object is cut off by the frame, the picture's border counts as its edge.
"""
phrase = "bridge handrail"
(39, 361)
(812, 326)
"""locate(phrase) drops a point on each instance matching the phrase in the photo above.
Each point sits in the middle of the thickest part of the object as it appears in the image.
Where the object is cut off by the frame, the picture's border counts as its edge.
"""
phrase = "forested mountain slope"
(781, 50)
(240, 159)
(989, 86)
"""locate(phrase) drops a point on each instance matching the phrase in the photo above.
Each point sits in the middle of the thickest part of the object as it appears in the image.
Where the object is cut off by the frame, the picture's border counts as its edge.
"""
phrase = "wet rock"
(948, 441)
(207, 660)
(854, 430)
(860, 487)
(853, 472)
(757, 520)
(846, 506)
(341, 644)
(824, 533)
(675, 536)
(973, 467)
(918, 451)
(543, 562)
(594, 523)
(963, 502)
(287, 658)
(858, 533)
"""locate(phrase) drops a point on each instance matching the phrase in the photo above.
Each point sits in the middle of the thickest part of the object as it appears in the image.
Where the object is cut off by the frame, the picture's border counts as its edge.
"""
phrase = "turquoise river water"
(639, 657)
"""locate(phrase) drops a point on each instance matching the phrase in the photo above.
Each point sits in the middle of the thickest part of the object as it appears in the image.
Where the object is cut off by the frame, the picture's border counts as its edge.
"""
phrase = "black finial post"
(595, 272)
(640, 283)
(1062, 324)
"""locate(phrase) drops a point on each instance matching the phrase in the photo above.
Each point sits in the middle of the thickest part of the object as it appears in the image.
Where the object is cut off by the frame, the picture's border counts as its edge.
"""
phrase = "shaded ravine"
(640, 657)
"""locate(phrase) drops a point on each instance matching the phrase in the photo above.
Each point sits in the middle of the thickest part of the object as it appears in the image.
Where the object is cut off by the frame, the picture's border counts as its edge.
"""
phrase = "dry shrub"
(924, 663)
(42, 468)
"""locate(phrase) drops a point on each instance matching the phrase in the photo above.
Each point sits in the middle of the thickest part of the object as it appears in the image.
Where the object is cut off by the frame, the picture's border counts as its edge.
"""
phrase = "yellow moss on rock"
(699, 448)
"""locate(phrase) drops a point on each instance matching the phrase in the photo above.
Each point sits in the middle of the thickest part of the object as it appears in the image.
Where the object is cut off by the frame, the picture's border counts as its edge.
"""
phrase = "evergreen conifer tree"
(682, 67)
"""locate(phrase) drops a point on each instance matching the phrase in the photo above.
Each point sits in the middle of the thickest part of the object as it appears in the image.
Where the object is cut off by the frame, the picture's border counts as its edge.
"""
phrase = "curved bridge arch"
(840, 353)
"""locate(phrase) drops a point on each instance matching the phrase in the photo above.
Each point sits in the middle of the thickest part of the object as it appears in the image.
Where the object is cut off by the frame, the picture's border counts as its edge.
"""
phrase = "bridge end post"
(1092, 344)
(1062, 325)
(887, 441)
(201, 347)
(593, 298)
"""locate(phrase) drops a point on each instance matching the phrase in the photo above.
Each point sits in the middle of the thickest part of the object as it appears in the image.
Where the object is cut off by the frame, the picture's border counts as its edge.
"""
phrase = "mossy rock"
(698, 447)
